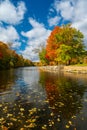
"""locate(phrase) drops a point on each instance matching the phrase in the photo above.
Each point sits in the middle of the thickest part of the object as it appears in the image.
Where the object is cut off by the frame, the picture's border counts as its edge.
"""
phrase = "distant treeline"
(10, 59)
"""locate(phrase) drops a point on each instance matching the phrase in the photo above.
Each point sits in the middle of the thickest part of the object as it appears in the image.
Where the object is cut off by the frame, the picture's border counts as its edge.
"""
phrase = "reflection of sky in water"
(30, 76)
(25, 83)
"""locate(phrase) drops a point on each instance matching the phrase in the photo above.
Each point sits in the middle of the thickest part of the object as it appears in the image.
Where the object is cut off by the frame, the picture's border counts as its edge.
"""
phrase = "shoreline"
(61, 68)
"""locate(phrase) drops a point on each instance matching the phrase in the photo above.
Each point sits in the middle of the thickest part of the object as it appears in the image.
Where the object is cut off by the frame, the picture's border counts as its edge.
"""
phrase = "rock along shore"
(61, 68)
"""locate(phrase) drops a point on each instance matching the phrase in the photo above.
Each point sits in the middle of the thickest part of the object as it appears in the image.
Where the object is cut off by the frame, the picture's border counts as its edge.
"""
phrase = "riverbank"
(70, 69)
(75, 69)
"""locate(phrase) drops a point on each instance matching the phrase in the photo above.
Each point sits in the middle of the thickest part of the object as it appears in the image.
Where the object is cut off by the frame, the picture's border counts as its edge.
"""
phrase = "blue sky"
(28, 23)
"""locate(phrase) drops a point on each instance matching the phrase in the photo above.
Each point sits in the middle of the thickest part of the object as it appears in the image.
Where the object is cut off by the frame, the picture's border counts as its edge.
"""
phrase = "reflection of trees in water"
(64, 93)
(7, 79)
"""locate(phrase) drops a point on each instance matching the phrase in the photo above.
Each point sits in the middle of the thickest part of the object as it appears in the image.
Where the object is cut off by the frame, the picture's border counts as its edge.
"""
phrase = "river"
(34, 100)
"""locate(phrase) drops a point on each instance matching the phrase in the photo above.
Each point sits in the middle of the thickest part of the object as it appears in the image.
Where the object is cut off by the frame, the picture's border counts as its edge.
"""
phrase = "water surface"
(34, 100)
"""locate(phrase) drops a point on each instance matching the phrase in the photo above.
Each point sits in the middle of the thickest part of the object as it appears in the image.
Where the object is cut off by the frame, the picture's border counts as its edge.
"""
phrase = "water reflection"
(7, 79)
(42, 101)
(65, 93)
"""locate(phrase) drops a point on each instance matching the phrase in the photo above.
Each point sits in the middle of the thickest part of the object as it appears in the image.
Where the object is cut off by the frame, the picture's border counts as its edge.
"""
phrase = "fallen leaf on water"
(32, 125)
(13, 119)
(1, 119)
(70, 122)
(21, 128)
(44, 127)
(61, 104)
(10, 124)
(73, 116)
(52, 114)
(4, 128)
(9, 115)
(58, 119)
(21, 109)
(30, 120)
(0, 105)
(32, 111)
(5, 109)
(67, 126)
(46, 101)
(52, 122)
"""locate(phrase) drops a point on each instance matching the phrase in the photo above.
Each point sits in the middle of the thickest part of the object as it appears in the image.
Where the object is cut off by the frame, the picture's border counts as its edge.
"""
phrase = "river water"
(35, 100)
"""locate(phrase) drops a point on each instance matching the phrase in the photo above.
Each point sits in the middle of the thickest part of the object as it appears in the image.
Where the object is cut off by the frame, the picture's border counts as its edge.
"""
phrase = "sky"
(27, 24)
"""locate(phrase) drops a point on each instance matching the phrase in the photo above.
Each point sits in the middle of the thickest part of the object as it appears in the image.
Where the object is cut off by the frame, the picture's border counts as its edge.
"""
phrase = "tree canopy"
(64, 45)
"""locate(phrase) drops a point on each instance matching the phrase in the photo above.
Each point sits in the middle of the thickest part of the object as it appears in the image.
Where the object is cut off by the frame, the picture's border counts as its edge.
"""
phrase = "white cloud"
(35, 24)
(9, 35)
(53, 21)
(29, 54)
(16, 45)
(11, 14)
(37, 36)
(65, 8)
(74, 11)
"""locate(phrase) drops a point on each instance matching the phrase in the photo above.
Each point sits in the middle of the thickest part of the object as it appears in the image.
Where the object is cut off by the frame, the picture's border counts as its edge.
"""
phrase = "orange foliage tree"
(52, 44)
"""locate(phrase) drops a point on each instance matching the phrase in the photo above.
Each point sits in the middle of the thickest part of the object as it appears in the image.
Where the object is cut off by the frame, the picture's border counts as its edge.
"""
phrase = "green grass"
(80, 65)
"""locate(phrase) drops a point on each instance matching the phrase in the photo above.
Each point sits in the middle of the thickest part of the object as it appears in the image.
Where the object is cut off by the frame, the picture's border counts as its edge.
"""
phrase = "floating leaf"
(1, 119)
(58, 119)
(70, 122)
(67, 126)
(21, 128)
(61, 104)
(32, 125)
(9, 115)
(4, 128)
(44, 127)
(21, 109)
(73, 116)
(10, 124)
(46, 101)
(52, 114)
(13, 119)
(52, 122)
(0, 105)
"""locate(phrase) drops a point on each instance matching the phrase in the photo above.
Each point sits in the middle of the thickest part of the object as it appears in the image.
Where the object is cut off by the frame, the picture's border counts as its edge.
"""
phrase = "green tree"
(72, 44)
(64, 54)
(42, 56)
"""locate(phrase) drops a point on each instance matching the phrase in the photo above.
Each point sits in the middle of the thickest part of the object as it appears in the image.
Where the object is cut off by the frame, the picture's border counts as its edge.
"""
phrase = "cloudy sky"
(28, 23)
